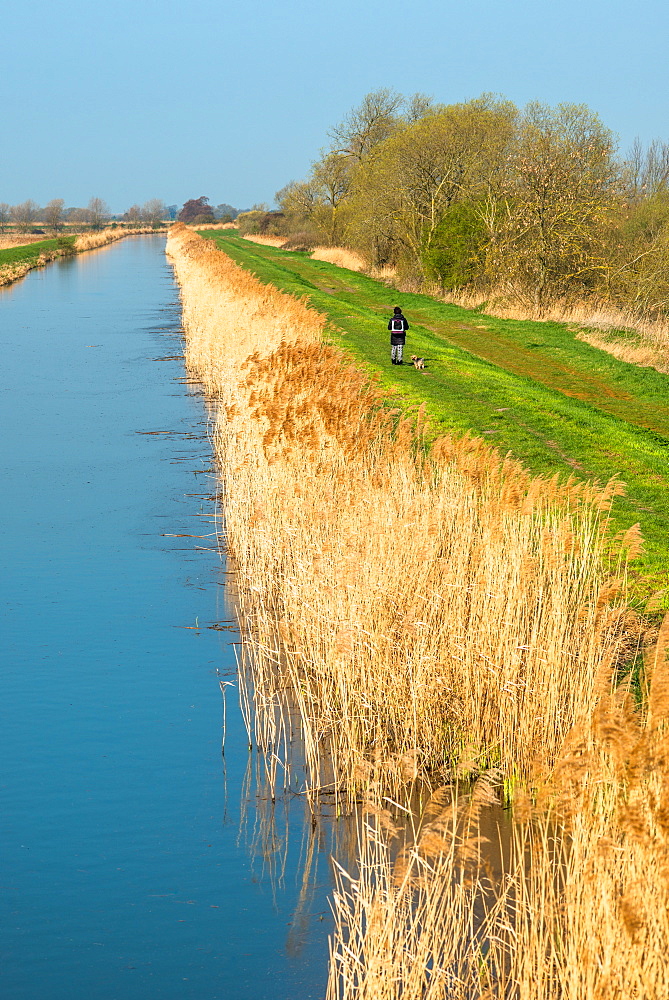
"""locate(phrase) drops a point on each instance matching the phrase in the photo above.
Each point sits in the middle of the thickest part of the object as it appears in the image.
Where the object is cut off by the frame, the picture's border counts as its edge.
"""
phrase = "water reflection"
(141, 862)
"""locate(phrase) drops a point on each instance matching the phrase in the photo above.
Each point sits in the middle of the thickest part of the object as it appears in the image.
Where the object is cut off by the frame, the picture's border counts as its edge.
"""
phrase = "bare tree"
(647, 170)
(98, 212)
(133, 215)
(24, 214)
(76, 215)
(153, 211)
(5, 215)
(419, 106)
(374, 120)
(53, 214)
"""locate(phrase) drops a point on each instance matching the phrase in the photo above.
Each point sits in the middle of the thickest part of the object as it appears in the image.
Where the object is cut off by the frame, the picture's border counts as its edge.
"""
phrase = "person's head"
(397, 310)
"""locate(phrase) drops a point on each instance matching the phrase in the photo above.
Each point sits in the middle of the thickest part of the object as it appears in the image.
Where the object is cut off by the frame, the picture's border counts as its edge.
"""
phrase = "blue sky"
(232, 99)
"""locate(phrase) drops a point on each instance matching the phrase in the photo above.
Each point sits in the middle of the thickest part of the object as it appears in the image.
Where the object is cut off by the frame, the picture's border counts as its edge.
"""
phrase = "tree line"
(532, 204)
(54, 216)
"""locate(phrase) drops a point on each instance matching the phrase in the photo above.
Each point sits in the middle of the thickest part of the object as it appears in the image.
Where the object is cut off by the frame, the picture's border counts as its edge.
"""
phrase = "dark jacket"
(398, 336)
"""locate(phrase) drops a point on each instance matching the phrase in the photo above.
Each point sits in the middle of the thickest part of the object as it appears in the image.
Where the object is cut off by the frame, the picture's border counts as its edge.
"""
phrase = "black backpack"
(397, 324)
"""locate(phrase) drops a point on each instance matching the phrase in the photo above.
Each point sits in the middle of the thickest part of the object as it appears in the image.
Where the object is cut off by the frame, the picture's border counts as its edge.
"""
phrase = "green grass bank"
(530, 388)
(33, 251)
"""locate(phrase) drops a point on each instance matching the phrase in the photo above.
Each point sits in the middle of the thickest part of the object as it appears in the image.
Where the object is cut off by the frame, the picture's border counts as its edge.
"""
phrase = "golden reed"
(411, 607)
(419, 604)
(579, 907)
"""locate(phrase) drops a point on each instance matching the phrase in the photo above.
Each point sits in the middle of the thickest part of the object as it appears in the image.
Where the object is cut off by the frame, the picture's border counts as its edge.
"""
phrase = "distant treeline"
(54, 216)
(534, 205)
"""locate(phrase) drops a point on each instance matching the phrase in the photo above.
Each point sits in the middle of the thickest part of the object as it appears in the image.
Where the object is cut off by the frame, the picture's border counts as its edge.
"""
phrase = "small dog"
(418, 362)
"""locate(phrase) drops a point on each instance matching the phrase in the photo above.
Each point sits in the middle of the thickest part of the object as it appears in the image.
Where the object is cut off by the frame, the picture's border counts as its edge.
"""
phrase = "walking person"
(398, 327)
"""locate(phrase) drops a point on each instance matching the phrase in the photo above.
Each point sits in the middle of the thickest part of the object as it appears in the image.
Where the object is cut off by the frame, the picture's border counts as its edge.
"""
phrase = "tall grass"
(420, 605)
(417, 605)
(340, 257)
(581, 911)
(90, 241)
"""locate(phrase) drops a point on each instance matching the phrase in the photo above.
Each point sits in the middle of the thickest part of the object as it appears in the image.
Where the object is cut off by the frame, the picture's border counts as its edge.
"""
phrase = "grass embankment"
(535, 389)
(441, 602)
(16, 261)
(422, 607)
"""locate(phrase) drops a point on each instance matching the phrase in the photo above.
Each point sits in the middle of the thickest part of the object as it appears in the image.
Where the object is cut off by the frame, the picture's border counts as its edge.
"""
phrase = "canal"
(138, 861)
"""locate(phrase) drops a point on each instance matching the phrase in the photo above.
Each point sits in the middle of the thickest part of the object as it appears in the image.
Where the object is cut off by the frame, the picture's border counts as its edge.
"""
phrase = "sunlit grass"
(535, 389)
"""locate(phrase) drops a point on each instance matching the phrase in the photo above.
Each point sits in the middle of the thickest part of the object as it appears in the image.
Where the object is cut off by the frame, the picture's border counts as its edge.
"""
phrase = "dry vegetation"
(12, 272)
(212, 225)
(266, 241)
(90, 241)
(341, 257)
(581, 910)
(436, 610)
(8, 240)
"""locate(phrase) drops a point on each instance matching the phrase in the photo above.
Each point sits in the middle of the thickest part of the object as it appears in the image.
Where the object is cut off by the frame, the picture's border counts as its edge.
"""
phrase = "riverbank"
(17, 260)
(418, 556)
(532, 389)
(428, 607)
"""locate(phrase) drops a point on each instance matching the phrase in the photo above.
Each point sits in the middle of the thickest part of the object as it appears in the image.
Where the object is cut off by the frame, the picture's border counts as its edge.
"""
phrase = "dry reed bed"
(340, 257)
(266, 241)
(91, 241)
(582, 909)
(12, 272)
(422, 606)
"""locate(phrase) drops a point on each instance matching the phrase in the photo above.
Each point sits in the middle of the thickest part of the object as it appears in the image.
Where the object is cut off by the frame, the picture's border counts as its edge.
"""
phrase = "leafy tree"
(261, 220)
(196, 208)
(454, 256)
(403, 191)
(548, 229)
(316, 204)
(638, 273)
(331, 183)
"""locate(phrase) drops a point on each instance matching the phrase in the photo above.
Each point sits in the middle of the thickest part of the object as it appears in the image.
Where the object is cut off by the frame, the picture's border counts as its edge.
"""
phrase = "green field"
(31, 251)
(532, 389)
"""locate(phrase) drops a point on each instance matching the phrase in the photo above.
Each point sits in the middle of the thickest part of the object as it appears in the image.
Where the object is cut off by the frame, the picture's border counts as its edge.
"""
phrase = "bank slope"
(534, 389)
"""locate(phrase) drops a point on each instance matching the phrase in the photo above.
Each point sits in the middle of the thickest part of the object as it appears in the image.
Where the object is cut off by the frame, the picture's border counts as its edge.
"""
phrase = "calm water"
(136, 863)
